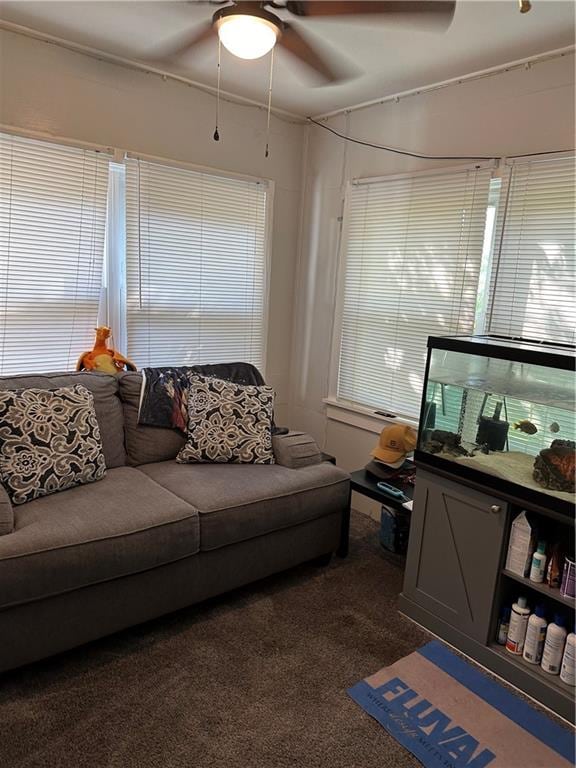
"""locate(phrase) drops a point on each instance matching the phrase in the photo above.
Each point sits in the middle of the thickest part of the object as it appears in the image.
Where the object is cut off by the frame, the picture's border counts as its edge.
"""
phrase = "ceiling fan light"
(248, 37)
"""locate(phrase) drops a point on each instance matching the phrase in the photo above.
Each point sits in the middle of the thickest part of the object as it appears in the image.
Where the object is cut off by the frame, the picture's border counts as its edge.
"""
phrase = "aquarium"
(501, 407)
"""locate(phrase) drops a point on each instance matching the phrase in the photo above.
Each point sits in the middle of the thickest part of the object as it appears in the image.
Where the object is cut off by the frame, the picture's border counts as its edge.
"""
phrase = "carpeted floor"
(254, 679)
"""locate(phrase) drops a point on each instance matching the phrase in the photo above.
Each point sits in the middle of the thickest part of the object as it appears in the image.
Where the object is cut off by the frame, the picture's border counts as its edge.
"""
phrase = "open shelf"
(535, 671)
(544, 589)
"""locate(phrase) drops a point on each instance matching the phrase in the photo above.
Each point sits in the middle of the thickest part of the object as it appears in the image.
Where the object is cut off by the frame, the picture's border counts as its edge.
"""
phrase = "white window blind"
(196, 266)
(412, 263)
(52, 222)
(534, 279)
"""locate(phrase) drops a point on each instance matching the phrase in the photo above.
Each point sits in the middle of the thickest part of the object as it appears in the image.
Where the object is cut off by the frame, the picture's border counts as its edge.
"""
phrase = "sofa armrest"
(295, 450)
(6, 512)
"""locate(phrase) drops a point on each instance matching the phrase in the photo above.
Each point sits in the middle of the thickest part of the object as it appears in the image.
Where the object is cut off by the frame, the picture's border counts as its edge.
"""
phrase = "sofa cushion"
(241, 501)
(124, 524)
(107, 405)
(49, 441)
(144, 444)
(228, 423)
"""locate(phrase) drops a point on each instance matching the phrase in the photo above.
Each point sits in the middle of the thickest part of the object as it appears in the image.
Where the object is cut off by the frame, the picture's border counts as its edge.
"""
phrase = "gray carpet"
(254, 679)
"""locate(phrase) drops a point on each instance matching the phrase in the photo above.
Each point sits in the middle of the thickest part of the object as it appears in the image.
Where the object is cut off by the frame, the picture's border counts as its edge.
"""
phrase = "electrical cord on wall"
(408, 153)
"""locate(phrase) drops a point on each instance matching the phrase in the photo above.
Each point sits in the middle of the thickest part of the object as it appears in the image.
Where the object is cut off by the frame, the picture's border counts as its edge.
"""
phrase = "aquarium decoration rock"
(554, 466)
(440, 440)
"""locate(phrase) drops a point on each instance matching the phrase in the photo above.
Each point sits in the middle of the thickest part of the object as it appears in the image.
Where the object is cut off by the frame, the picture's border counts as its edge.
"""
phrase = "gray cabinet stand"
(455, 582)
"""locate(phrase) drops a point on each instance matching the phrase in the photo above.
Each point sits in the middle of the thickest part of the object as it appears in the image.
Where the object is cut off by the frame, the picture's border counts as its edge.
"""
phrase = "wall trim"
(282, 114)
(499, 69)
(122, 61)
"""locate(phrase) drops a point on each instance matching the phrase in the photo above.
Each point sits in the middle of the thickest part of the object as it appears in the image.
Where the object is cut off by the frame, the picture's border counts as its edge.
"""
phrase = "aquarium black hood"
(562, 356)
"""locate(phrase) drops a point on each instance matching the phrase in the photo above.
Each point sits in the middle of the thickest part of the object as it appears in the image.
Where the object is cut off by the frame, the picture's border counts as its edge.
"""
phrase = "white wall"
(49, 89)
(521, 111)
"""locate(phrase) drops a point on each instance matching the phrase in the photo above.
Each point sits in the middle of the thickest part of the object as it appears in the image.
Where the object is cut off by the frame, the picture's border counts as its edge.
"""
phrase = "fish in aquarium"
(554, 427)
(526, 426)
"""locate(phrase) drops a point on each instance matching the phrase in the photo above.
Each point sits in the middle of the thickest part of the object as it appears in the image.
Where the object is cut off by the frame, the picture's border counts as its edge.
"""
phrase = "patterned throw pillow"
(49, 441)
(228, 423)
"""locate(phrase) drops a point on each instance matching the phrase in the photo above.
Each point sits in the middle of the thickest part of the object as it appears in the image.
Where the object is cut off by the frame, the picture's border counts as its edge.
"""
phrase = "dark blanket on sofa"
(164, 401)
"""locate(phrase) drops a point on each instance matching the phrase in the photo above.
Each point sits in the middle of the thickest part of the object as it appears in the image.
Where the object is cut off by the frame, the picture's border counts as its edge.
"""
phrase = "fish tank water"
(502, 407)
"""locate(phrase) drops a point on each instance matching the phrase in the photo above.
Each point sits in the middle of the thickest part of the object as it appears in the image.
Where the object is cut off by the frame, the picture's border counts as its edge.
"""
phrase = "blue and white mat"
(451, 715)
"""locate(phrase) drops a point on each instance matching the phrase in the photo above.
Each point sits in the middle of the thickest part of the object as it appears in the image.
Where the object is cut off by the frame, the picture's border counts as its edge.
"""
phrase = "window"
(52, 226)
(533, 287)
(412, 268)
(196, 266)
(174, 260)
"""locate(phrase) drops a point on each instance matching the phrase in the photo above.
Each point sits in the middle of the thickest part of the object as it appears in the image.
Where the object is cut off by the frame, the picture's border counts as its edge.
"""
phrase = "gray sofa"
(153, 536)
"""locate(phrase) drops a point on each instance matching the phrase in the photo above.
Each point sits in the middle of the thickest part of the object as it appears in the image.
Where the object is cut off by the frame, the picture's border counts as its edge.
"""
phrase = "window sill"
(361, 417)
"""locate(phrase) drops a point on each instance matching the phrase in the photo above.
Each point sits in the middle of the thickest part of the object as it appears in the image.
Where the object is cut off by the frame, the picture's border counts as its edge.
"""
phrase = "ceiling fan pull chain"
(267, 152)
(216, 136)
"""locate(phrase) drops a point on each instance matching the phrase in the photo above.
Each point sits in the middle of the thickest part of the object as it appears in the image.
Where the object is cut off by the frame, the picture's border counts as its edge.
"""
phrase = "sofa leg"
(323, 560)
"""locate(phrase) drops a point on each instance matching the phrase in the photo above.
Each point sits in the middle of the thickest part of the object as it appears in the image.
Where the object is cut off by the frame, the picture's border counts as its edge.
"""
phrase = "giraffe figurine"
(102, 358)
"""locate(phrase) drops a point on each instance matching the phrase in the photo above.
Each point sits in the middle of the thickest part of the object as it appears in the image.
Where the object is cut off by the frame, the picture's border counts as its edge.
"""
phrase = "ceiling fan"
(249, 29)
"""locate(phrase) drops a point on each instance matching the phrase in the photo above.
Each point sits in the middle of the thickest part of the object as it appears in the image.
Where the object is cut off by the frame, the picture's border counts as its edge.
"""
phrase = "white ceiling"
(389, 59)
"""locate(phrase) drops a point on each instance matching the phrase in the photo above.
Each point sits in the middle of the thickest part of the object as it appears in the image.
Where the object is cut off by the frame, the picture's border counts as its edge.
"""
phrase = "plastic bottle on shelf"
(568, 667)
(554, 646)
(554, 570)
(503, 625)
(518, 626)
(538, 567)
(535, 636)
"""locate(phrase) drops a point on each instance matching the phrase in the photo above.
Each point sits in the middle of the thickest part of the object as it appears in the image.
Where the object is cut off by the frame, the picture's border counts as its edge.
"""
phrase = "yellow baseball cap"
(395, 443)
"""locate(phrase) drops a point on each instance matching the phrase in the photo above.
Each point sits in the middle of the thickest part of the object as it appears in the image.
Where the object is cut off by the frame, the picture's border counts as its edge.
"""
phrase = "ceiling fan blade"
(414, 11)
(293, 42)
(184, 42)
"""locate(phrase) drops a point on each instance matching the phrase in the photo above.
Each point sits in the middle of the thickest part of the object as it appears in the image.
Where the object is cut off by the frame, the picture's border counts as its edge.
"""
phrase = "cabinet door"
(454, 553)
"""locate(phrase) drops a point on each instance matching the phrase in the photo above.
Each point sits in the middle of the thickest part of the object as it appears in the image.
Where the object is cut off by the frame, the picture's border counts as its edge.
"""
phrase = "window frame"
(268, 228)
(119, 156)
(339, 408)
(505, 173)
(365, 417)
(107, 155)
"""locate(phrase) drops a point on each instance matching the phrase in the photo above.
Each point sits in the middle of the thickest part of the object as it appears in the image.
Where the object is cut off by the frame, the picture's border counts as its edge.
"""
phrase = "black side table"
(366, 484)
